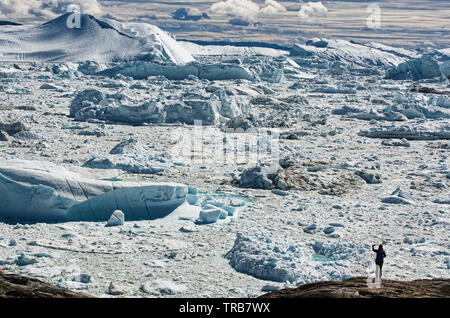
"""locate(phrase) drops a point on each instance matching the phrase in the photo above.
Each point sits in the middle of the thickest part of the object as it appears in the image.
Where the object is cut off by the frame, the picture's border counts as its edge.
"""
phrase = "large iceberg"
(348, 52)
(94, 40)
(212, 72)
(44, 192)
(216, 108)
(93, 104)
(420, 68)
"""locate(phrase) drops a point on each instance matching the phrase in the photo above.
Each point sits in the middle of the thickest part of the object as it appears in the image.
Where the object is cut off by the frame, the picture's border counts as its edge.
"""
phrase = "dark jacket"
(380, 255)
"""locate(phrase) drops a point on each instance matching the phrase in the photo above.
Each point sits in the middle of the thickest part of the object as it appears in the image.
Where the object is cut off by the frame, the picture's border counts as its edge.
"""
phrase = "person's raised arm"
(373, 249)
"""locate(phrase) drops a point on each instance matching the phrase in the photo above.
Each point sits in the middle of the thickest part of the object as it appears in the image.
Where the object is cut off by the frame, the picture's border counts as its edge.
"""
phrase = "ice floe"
(279, 259)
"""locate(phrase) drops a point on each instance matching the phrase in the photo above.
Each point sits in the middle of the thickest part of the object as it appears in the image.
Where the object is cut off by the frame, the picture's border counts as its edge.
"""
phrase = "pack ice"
(281, 259)
(45, 192)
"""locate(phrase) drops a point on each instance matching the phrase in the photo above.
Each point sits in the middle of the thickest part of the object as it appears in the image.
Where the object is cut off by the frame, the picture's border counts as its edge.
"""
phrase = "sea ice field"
(136, 165)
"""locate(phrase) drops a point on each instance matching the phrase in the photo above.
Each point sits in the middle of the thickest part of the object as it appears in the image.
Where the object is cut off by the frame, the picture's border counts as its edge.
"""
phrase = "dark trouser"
(381, 267)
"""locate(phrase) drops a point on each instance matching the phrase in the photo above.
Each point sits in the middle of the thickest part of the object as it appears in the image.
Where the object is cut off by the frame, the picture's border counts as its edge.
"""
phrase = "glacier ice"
(45, 192)
(212, 72)
(162, 41)
(212, 109)
(116, 219)
(54, 41)
(350, 52)
(210, 215)
(37, 191)
(419, 68)
(214, 207)
(89, 67)
(230, 50)
(443, 101)
(131, 156)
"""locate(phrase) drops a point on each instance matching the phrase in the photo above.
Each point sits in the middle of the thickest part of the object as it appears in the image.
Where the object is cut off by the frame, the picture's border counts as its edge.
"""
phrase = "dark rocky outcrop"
(16, 286)
(358, 288)
(326, 178)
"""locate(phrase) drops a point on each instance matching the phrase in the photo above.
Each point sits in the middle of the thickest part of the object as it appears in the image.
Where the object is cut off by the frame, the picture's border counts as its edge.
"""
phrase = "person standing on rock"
(381, 254)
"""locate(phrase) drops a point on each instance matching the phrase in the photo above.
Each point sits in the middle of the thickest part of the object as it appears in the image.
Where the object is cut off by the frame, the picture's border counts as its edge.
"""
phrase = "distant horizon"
(407, 24)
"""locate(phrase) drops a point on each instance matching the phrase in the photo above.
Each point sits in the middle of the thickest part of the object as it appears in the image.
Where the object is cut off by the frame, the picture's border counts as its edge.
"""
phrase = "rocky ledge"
(16, 286)
(358, 288)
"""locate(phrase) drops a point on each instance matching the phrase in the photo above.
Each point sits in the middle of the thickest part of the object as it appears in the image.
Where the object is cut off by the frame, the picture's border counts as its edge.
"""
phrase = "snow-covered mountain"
(95, 40)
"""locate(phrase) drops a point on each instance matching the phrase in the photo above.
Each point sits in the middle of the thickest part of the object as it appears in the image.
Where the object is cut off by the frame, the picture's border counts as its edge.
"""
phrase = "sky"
(408, 23)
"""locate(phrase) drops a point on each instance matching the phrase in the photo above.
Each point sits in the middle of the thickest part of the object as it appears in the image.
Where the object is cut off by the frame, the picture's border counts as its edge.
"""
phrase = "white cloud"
(272, 7)
(194, 12)
(246, 10)
(19, 9)
(312, 11)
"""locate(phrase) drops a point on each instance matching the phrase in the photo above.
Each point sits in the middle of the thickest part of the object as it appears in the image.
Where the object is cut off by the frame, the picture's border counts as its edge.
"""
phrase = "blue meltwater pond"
(226, 195)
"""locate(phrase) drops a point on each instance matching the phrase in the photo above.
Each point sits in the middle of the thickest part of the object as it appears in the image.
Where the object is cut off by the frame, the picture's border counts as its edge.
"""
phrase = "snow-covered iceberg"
(45, 192)
(94, 40)
(212, 72)
(349, 52)
(229, 49)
